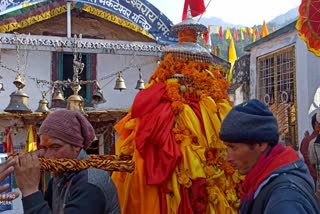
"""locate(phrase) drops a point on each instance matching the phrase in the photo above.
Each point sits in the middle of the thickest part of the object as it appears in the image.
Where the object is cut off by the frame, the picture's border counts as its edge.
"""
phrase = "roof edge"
(283, 30)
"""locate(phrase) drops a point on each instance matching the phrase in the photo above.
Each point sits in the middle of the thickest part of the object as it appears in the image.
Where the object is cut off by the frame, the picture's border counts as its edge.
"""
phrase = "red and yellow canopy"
(308, 24)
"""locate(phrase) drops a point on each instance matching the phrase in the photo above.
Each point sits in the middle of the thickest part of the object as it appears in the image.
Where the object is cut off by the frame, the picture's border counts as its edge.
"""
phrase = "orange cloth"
(135, 196)
(264, 30)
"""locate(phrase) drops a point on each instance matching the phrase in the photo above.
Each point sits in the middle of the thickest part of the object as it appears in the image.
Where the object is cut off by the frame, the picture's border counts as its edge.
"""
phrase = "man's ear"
(262, 147)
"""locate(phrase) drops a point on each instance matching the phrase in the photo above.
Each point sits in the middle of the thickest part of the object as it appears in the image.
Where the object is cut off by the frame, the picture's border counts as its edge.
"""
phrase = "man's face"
(55, 148)
(243, 156)
(317, 126)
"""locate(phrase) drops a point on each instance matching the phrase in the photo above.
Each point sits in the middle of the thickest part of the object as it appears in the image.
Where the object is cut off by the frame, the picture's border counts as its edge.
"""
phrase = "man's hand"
(27, 173)
(5, 169)
(306, 133)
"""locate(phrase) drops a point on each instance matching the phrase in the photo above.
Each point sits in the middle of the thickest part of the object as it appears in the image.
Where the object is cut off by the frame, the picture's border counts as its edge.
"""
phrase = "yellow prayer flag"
(254, 37)
(228, 34)
(217, 30)
(31, 143)
(264, 30)
(232, 54)
(232, 57)
(242, 33)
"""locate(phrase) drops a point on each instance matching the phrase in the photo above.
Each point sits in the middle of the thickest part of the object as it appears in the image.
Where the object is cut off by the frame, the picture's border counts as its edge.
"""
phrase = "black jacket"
(87, 191)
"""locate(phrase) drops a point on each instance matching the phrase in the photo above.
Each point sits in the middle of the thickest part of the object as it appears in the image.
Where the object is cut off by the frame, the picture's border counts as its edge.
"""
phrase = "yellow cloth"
(173, 200)
(189, 119)
(228, 34)
(232, 57)
(135, 196)
(31, 144)
(211, 121)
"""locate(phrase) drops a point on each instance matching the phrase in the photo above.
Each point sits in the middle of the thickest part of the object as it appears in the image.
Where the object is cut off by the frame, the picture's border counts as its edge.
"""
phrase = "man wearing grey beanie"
(276, 179)
(65, 134)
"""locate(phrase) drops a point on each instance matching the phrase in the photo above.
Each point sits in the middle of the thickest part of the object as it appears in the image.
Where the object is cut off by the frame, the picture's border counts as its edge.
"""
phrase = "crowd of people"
(276, 179)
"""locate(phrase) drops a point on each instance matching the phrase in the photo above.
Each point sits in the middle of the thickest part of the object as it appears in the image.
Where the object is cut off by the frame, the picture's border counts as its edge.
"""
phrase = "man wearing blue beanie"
(277, 180)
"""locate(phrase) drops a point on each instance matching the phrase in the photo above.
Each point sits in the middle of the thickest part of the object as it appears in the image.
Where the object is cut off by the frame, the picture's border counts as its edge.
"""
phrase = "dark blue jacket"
(288, 190)
(83, 192)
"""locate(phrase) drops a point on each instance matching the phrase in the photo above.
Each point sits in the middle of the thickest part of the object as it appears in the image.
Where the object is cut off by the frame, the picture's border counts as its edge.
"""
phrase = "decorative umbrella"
(308, 24)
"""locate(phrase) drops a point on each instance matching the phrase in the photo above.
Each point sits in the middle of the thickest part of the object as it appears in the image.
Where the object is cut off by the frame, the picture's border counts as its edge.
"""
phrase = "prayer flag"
(196, 8)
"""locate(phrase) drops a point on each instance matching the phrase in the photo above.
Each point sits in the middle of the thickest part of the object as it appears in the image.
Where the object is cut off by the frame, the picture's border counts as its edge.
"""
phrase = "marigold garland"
(203, 80)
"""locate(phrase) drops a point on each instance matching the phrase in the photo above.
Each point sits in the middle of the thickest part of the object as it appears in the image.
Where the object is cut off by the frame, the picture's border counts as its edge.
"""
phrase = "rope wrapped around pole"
(103, 162)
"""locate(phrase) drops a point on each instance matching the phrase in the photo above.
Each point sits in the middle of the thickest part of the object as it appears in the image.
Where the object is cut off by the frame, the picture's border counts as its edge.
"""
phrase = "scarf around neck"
(267, 163)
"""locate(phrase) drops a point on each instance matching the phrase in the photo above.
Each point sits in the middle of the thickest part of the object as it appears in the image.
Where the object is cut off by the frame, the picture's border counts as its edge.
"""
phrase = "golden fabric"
(135, 196)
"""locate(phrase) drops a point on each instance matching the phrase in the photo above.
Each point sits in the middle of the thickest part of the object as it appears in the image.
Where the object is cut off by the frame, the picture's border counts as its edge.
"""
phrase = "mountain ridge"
(221, 45)
(278, 22)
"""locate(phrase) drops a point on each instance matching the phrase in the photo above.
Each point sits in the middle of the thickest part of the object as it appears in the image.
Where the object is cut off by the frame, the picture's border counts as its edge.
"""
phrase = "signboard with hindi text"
(140, 12)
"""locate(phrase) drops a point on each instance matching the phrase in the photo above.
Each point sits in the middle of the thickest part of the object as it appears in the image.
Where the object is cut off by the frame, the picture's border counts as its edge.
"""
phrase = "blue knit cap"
(250, 122)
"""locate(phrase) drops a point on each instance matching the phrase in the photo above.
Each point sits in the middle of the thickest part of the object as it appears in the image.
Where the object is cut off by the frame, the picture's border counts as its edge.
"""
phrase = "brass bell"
(76, 103)
(43, 105)
(57, 95)
(140, 82)
(18, 102)
(97, 97)
(120, 85)
(18, 82)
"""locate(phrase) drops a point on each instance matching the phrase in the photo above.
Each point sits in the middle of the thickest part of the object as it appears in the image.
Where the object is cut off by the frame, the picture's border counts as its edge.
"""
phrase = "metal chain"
(18, 53)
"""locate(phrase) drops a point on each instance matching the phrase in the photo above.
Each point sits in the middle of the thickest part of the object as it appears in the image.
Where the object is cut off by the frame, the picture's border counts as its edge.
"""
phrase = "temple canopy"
(141, 13)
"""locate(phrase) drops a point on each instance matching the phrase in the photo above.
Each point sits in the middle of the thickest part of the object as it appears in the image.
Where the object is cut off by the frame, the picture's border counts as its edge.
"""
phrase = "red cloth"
(206, 37)
(196, 7)
(194, 104)
(185, 205)
(198, 195)
(247, 32)
(278, 157)
(220, 32)
(304, 149)
(235, 35)
(154, 139)
(8, 143)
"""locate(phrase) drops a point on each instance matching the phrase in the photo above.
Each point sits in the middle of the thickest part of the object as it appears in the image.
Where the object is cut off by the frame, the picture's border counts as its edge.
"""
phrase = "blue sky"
(244, 12)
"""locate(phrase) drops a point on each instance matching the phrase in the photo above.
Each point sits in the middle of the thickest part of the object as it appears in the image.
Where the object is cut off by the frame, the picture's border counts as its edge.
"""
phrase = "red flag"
(220, 33)
(196, 7)
(235, 34)
(206, 35)
(247, 32)
(8, 144)
(256, 32)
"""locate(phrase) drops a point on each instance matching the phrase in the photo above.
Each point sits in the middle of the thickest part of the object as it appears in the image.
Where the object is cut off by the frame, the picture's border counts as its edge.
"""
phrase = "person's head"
(248, 130)
(315, 122)
(64, 132)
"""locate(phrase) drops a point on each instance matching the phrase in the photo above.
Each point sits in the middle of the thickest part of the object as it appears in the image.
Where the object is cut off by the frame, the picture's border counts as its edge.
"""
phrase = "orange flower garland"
(203, 80)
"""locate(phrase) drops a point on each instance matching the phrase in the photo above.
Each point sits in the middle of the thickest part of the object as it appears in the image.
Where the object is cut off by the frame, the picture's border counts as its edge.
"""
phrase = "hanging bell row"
(19, 99)
(120, 84)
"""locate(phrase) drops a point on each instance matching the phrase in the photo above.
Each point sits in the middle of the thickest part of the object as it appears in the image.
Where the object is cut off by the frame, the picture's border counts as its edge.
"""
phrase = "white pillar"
(68, 19)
